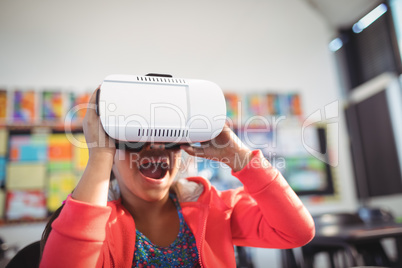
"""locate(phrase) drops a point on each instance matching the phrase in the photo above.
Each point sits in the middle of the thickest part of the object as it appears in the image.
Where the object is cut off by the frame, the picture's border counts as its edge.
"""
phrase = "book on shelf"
(233, 102)
(77, 106)
(2, 170)
(3, 105)
(80, 153)
(28, 148)
(53, 106)
(62, 180)
(273, 104)
(59, 148)
(60, 166)
(24, 106)
(3, 141)
(295, 104)
(25, 205)
(60, 185)
(255, 104)
(2, 203)
(21, 175)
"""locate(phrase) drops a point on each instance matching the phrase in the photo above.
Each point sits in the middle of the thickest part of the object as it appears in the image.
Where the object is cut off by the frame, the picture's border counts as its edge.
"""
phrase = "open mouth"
(154, 169)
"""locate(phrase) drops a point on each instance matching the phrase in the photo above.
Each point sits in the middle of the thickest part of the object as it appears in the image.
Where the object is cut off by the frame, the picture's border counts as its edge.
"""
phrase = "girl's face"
(147, 174)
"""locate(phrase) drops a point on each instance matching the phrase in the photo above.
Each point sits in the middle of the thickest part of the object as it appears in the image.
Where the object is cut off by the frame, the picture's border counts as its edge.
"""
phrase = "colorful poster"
(52, 106)
(60, 185)
(24, 106)
(25, 205)
(305, 174)
(59, 148)
(28, 148)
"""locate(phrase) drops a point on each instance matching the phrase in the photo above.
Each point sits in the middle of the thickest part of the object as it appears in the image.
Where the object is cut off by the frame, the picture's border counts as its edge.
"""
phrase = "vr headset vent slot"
(161, 80)
(162, 132)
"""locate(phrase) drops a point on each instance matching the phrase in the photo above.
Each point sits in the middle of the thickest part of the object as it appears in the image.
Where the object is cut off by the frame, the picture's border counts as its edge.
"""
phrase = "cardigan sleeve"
(267, 212)
(77, 236)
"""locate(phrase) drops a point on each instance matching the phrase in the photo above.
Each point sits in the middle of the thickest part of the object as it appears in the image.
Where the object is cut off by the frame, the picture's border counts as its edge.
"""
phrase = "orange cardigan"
(265, 213)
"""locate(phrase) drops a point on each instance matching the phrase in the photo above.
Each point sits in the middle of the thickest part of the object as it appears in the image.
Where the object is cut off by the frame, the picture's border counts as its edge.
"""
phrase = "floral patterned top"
(181, 253)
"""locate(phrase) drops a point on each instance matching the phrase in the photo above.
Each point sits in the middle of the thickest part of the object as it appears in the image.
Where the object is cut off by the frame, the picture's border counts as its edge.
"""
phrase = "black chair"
(28, 257)
(243, 258)
(288, 259)
(371, 252)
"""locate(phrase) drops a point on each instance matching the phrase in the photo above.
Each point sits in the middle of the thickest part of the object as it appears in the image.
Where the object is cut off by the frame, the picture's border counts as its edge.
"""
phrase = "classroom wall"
(253, 46)
(244, 46)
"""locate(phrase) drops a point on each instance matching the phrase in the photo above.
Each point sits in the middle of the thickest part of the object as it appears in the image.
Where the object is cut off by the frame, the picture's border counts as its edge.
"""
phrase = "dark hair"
(52, 218)
(48, 229)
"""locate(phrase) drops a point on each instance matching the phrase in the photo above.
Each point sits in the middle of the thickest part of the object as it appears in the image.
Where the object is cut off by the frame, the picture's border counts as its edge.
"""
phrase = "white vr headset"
(160, 108)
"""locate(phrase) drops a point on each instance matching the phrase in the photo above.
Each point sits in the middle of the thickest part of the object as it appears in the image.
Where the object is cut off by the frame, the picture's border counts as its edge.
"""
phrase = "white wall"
(240, 45)
(254, 45)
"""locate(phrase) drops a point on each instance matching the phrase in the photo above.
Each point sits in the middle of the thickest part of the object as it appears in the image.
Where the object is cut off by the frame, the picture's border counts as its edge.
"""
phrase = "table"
(354, 240)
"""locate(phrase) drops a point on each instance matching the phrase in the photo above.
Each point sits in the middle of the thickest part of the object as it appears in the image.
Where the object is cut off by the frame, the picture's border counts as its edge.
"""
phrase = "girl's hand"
(226, 148)
(93, 186)
(97, 139)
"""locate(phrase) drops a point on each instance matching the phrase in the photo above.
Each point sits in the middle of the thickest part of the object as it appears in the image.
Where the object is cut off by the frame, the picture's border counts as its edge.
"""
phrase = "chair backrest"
(28, 257)
(2, 249)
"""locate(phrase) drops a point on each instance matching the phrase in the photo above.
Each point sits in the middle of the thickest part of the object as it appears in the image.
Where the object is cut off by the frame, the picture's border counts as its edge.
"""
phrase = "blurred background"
(315, 84)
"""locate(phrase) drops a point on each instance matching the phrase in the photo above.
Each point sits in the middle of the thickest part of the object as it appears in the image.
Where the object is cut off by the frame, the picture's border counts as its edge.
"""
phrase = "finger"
(193, 151)
(93, 96)
(92, 105)
(188, 149)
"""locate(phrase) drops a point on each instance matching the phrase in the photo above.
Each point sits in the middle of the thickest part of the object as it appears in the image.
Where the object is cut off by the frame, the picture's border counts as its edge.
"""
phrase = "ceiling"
(342, 14)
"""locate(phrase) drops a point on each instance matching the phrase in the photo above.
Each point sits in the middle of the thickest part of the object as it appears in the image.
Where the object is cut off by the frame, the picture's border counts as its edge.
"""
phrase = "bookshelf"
(39, 166)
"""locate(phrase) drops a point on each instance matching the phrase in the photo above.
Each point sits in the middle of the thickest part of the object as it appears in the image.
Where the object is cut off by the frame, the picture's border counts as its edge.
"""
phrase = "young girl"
(159, 222)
